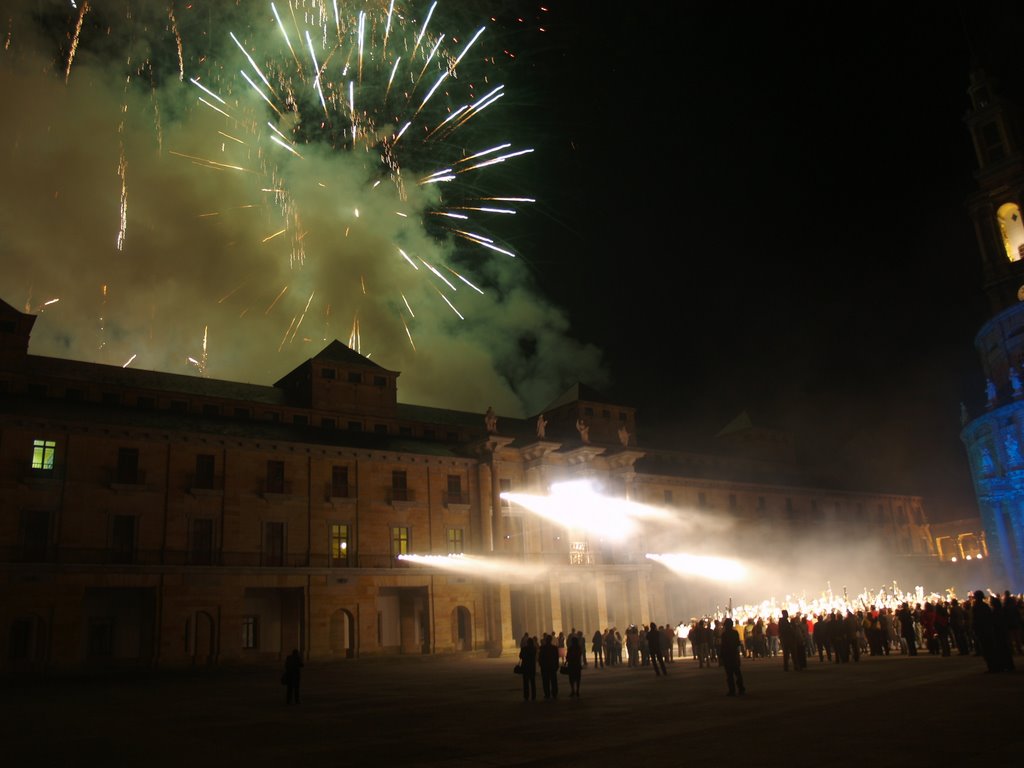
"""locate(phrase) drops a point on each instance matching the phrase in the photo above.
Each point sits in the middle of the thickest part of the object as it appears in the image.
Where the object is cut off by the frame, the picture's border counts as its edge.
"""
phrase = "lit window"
(455, 546)
(399, 541)
(1012, 229)
(339, 544)
(42, 454)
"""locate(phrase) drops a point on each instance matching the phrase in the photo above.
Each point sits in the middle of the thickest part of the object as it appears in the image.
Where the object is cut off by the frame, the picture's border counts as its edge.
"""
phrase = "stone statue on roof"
(624, 436)
(584, 430)
(990, 392)
(491, 420)
(542, 425)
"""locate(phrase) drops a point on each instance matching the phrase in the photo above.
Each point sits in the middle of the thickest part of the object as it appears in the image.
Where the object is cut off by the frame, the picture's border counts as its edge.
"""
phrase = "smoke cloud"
(273, 276)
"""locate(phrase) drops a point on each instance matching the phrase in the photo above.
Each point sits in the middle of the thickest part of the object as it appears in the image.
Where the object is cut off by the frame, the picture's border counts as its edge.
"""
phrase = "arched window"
(1012, 228)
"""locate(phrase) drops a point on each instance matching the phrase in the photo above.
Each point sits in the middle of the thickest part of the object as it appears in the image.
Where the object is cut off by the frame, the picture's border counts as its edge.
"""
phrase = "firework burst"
(377, 83)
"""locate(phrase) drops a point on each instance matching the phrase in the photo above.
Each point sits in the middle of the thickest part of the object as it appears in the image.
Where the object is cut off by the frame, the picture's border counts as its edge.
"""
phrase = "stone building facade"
(157, 519)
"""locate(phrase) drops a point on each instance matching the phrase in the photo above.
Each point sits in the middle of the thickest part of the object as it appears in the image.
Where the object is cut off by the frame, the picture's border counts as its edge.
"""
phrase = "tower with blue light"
(995, 439)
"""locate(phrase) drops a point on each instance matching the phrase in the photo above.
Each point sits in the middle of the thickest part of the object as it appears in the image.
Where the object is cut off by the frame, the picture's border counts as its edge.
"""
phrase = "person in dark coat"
(788, 638)
(729, 656)
(597, 647)
(548, 661)
(984, 630)
(528, 668)
(906, 617)
(655, 651)
(292, 676)
(574, 656)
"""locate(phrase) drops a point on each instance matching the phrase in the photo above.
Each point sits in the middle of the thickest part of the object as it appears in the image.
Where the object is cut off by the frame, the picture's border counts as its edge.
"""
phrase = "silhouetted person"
(906, 617)
(597, 647)
(292, 676)
(547, 660)
(654, 650)
(789, 639)
(574, 662)
(528, 665)
(729, 655)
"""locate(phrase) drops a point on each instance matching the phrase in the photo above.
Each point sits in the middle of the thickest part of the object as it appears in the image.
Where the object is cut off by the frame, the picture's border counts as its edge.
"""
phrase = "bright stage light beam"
(494, 569)
(576, 505)
(711, 568)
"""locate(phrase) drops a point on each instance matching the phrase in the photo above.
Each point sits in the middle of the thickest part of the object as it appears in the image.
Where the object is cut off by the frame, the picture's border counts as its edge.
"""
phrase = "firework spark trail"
(75, 38)
(177, 40)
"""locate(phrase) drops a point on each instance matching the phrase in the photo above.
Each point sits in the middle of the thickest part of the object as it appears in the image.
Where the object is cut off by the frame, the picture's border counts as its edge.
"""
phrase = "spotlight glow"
(712, 568)
(493, 569)
(577, 506)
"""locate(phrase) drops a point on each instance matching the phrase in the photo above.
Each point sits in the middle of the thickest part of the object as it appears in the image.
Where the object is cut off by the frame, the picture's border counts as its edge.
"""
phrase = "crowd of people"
(836, 629)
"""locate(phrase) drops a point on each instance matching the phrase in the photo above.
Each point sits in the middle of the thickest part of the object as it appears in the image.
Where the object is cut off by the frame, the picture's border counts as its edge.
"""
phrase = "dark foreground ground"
(469, 711)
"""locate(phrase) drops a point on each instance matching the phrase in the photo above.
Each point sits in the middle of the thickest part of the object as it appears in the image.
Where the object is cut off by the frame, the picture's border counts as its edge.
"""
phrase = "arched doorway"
(462, 629)
(204, 640)
(343, 634)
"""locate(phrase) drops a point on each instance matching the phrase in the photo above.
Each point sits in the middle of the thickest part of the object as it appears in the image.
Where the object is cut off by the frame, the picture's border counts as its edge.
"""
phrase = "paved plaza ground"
(468, 710)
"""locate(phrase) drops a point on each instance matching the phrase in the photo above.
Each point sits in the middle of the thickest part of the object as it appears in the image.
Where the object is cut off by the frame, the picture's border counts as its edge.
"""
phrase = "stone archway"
(462, 629)
(343, 634)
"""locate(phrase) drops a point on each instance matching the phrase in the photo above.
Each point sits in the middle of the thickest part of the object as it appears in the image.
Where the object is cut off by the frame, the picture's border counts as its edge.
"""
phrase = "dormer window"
(354, 377)
(328, 373)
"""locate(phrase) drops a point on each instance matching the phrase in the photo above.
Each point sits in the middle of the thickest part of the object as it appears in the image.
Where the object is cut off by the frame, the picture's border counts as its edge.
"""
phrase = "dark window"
(454, 494)
(452, 436)
(211, 409)
(101, 637)
(429, 434)
(204, 471)
(242, 413)
(37, 390)
(355, 377)
(588, 411)
(201, 542)
(327, 423)
(355, 426)
(21, 640)
(110, 398)
(146, 403)
(273, 544)
(300, 419)
(128, 465)
(339, 482)
(381, 429)
(399, 487)
(379, 381)
(622, 415)
(275, 476)
(606, 414)
(250, 632)
(122, 539)
(405, 431)
(328, 373)
(179, 406)
(272, 416)
(74, 394)
(35, 535)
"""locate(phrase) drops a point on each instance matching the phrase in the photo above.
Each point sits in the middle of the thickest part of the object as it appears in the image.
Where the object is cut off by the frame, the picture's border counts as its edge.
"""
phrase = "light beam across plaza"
(711, 568)
(495, 569)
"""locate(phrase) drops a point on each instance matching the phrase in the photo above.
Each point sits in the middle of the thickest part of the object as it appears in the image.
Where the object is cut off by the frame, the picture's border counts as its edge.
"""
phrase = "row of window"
(34, 540)
(128, 472)
(762, 505)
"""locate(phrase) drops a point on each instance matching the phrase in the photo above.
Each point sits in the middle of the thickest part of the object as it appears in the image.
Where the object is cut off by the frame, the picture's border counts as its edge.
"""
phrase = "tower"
(994, 439)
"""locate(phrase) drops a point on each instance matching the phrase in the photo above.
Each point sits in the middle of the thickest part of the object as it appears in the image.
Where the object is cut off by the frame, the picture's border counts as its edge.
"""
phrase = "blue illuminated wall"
(995, 443)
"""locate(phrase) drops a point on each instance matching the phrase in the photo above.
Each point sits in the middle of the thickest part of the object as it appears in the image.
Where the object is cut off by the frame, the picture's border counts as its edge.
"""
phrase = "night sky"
(775, 222)
(758, 209)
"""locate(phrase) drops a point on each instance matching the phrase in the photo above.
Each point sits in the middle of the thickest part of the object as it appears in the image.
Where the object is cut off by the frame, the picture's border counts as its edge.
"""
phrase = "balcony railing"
(455, 498)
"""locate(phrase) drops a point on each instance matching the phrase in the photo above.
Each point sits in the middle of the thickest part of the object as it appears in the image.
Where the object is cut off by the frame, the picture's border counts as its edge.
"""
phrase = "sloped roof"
(579, 392)
(336, 352)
